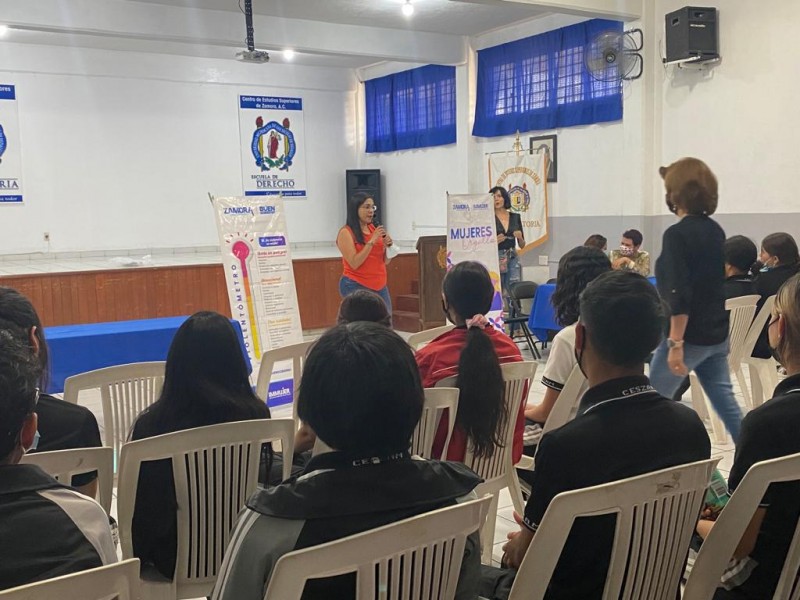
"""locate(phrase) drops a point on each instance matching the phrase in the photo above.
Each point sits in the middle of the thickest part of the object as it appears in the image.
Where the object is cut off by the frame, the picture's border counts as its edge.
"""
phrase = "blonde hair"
(787, 305)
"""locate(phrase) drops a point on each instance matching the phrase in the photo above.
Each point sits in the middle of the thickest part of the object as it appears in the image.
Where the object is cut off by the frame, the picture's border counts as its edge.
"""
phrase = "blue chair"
(542, 319)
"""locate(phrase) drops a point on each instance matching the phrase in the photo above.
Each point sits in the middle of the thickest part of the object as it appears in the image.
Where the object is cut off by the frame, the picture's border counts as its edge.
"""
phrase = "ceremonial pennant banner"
(260, 279)
(10, 156)
(471, 235)
(273, 146)
(523, 176)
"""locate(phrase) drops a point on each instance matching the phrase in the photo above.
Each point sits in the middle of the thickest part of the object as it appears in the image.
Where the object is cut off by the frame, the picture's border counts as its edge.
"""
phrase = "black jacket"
(767, 284)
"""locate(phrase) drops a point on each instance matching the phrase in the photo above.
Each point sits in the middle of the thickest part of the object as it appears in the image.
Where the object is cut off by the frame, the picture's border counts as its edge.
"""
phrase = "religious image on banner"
(261, 289)
(272, 135)
(523, 176)
(10, 155)
(471, 235)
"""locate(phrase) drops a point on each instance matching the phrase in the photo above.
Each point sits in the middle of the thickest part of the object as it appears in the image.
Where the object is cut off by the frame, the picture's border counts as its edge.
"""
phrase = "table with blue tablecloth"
(79, 348)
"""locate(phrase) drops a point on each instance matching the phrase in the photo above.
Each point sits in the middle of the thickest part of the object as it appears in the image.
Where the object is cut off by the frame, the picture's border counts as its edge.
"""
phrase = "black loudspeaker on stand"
(367, 181)
(692, 33)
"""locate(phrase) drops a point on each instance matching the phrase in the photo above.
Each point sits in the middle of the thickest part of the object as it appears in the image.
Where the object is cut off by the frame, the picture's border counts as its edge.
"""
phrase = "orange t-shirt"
(372, 272)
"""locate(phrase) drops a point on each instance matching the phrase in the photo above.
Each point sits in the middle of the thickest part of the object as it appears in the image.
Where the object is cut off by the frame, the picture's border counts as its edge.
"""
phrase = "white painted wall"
(120, 148)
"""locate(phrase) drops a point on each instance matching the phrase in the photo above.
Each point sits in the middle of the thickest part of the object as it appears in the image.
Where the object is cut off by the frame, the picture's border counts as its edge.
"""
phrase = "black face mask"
(776, 355)
(445, 311)
(579, 359)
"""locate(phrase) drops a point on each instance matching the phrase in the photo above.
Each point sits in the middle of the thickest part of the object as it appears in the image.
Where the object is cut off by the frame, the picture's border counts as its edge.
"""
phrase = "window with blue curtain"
(411, 109)
(540, 82)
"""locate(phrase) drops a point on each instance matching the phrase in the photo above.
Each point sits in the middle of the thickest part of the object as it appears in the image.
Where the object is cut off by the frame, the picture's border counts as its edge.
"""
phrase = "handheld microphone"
(391, 251)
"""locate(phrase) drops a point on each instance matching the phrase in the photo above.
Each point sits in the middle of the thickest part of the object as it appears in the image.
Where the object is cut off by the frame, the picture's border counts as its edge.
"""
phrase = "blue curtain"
(540, 82)
(412, 109)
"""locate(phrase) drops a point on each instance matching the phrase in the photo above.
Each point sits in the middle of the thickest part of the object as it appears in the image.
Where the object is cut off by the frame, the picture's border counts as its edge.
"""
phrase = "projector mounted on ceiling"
(251, 55)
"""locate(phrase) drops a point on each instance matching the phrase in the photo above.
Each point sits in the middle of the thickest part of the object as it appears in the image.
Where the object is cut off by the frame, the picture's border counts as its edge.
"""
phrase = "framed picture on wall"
(549, 145)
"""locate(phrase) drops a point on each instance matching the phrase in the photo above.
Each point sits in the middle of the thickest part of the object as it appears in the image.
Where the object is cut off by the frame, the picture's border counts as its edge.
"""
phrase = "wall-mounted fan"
(616, 56)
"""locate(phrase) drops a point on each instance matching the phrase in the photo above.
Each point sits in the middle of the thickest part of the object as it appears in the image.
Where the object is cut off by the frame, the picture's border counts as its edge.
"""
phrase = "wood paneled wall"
(152, 292)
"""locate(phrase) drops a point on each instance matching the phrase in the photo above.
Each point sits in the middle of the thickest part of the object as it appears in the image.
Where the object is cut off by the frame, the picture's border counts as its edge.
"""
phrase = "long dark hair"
(363, 305)
(783, 246)
(468, 291)
(576, 269)
(353, 222)
(206, 380)
(18, 316)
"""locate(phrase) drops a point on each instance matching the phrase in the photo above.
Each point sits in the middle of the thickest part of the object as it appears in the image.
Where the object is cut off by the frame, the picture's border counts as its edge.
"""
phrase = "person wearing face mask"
(629, 255)
(625, 428)
(779, 260)
(770, 431)
(691, 275)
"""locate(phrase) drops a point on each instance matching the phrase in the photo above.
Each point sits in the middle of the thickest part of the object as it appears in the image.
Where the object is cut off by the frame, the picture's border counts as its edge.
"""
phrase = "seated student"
(770, 431)
(629, 256)
(473, 352)
(361, 393)
(206, 383)
(363, 305)
(740, 255)
(596, 241)
(626, 429)
(47, 529)
(780, 260)
(62, 425)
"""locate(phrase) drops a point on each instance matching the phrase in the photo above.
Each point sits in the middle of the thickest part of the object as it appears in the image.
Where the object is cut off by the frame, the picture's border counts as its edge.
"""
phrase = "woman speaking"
(363, 245)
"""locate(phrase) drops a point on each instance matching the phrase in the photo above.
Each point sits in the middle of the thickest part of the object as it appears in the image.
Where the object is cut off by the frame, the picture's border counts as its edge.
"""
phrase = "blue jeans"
(347, 286)
(512, 274)
(710, 364)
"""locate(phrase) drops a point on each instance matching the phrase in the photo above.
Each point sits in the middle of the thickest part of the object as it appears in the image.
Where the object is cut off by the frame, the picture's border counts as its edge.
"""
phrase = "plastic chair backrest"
(125, 391)
(437, 400)
(63, 464)
(742, 310)
(756, 327)
(720, 544)
(656, 515)
(295, 353)
(517, 377)
(566, 405)
(215, 470)
(417, 558)
(119, 581)
(419, 339)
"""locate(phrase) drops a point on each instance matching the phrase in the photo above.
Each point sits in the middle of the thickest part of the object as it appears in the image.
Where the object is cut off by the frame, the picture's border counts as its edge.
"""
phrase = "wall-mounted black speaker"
(692, 32)
(367, 181)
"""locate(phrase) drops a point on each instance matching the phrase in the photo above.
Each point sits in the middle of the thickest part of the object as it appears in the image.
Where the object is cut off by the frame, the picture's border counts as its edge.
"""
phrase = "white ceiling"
(457, 17)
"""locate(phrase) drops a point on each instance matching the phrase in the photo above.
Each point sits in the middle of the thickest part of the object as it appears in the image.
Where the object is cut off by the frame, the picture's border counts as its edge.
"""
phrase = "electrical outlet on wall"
(543, 260)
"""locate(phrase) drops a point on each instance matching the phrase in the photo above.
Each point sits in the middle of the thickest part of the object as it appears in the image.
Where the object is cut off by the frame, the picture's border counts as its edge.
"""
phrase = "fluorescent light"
(408, 8)
(288, 54)
(3, 30)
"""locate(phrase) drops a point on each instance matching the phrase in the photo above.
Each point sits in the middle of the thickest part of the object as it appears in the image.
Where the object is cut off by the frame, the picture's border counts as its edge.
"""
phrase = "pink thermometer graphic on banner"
(241, 250)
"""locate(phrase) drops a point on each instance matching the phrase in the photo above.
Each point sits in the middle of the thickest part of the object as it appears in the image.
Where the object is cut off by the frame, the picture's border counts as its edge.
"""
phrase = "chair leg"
(748, 399)
(698, 399)
(487, 532)
(529, 339)
(516, 491)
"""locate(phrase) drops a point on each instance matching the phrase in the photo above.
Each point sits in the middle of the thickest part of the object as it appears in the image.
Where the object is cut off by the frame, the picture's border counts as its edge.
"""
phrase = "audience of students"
(47, 529)
(362, 395)
(61, 425)
(206, 383)
(629, 255)
(626, 429)
(690, 274)
(473, 352)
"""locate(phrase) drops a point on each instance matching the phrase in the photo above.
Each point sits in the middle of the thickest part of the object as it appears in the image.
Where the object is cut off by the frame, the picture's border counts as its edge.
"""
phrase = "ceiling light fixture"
(408, 8)
(3, 30)
(288, 54)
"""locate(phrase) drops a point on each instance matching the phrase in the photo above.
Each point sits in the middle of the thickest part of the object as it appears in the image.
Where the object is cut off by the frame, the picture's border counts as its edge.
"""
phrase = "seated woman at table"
(576, 269)
(62, 425)
(206, 383)
(473, 353)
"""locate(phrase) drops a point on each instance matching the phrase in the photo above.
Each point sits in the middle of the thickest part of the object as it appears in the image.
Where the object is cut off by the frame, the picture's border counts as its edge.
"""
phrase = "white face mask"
(625, 251)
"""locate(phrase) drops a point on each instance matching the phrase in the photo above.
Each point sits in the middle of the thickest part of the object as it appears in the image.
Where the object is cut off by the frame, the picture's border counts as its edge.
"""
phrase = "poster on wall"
(10, 155)
(471, 235)
(258, 272)
(272, 140)
(523, 176)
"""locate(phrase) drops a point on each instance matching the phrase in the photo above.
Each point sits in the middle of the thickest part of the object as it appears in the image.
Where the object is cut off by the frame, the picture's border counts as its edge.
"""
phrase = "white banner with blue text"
(272, 137)
(523, 176)
(10, 155)
(471, 235)
(258, 272)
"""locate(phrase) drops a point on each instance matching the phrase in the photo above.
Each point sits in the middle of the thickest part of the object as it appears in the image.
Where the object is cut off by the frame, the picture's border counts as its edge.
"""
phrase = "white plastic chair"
(228, 454)
(423, 554)
(63, 464)
(421, 338)
(119, 581)
(437, 400)
(498, 470)
(742, 310)
(763, 371)
(656, 516)
(126, 390)
(719, 546)
(295, 353)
